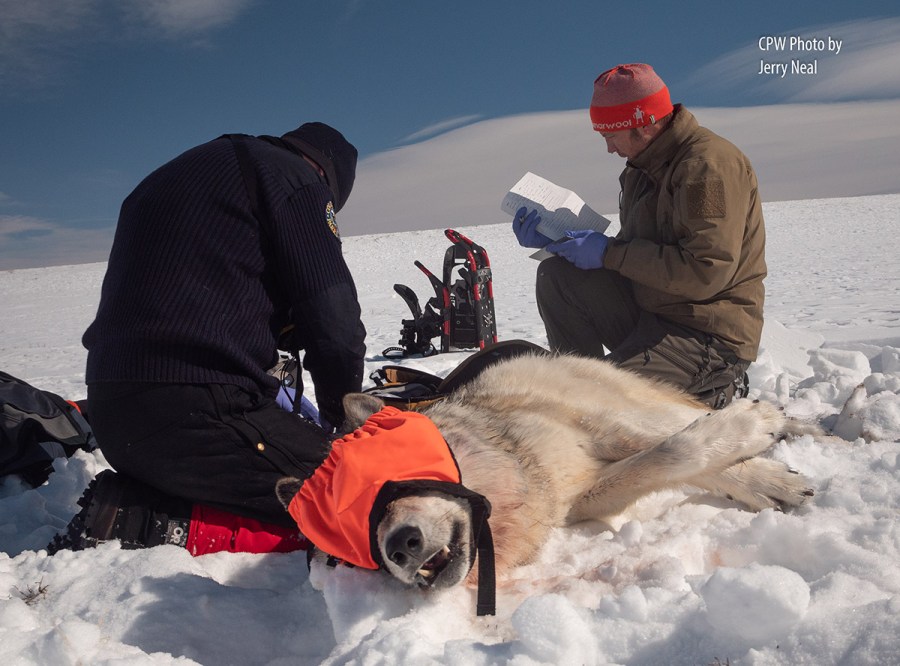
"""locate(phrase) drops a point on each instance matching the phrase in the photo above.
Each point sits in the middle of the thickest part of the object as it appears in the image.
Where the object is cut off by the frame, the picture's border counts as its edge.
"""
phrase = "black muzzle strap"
(486, 603)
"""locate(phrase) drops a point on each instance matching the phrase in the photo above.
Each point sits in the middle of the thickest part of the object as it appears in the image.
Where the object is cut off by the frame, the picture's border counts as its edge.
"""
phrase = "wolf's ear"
(286, 488)
(358, 407)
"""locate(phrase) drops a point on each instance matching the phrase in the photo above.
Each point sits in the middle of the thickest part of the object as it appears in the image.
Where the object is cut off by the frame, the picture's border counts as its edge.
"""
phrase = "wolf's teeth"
(427, 572)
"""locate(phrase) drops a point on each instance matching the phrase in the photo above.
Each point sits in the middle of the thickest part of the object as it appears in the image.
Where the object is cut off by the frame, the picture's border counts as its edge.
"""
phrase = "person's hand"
(525, 229)
(308, 410)
(310, 413)
(585, 249)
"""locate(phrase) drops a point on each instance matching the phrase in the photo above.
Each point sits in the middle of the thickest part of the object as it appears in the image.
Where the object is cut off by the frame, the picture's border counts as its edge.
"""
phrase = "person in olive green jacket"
(678, 292)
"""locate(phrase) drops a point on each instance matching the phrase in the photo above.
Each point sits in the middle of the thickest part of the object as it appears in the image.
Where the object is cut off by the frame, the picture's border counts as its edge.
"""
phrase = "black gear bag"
(37, 426)
(412, 389)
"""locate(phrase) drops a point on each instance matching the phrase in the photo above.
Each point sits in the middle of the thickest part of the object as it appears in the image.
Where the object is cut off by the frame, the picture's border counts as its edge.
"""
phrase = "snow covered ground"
(683, 579)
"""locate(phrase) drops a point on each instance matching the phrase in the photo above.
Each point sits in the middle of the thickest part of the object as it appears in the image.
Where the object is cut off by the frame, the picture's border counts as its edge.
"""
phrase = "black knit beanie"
(329, 149)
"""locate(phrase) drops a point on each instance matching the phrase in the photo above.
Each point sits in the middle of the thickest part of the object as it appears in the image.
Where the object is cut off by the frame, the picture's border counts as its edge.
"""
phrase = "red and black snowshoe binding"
(461, 311)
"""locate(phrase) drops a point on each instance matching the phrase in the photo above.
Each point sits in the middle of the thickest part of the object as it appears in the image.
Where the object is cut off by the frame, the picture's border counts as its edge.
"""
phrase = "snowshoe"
(461, 311)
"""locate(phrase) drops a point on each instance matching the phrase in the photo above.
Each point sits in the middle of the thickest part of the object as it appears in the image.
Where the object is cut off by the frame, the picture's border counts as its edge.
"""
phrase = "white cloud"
(179, 17)
(800, 151)
(12, 226)
(38, 38)
(36, 34)
(26, 242)
(866, 67)
(18, 18)
(439, 128)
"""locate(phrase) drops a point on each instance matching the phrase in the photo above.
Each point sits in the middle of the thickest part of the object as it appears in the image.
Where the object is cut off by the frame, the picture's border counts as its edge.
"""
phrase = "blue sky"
(94, 94)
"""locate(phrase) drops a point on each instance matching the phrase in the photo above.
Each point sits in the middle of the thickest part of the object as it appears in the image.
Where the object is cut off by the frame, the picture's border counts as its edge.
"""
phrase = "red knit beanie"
(628, 96)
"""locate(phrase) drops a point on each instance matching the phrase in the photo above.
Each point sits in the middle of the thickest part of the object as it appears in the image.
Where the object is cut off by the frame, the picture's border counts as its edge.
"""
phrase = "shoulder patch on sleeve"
(706, 198)
(330, 219)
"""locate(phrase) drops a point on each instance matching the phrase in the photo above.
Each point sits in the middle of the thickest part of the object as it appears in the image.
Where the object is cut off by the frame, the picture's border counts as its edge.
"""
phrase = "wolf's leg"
(707, 446)
(760, 483)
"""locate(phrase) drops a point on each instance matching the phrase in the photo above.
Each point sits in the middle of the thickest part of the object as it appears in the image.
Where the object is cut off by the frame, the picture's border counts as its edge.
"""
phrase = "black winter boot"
(115, 506)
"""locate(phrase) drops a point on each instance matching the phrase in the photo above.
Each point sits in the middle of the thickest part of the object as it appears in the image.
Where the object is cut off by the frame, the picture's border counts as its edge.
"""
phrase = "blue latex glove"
(585, 249)
(525, 229)
(285, 399)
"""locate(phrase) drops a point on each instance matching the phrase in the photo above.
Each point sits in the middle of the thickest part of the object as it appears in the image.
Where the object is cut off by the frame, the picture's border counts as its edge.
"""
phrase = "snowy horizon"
(800, 151)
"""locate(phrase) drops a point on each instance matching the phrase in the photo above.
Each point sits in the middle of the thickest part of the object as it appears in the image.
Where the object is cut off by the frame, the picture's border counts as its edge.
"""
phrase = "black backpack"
(35, 428)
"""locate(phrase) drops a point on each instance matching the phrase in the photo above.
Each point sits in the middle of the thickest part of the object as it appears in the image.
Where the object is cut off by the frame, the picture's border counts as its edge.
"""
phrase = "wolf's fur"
(554, 440)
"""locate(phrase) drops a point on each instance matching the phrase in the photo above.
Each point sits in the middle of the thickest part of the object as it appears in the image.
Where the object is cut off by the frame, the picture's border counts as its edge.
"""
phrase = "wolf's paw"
(761, 483)
(769, 418)
(741, 430)
(795, 428)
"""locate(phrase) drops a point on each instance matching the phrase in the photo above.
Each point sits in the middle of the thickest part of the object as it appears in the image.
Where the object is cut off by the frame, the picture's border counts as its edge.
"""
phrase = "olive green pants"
(588, 312)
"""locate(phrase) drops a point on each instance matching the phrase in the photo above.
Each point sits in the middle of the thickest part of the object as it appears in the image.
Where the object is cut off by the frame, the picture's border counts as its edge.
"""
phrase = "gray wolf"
(553, 440)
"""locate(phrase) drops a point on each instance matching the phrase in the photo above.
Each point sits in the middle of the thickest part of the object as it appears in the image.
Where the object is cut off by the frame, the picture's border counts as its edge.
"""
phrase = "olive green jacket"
(692, 238)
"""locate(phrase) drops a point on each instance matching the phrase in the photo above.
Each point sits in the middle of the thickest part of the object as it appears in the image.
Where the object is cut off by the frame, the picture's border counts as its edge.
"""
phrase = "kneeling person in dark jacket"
(217, 253)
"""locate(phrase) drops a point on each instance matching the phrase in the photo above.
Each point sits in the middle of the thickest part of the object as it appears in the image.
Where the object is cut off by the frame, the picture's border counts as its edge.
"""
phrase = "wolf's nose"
(404, 544)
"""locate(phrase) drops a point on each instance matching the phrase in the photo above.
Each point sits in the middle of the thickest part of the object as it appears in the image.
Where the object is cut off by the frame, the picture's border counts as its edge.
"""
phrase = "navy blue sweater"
(197, 288)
